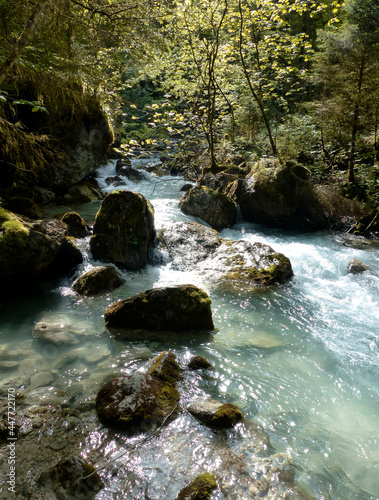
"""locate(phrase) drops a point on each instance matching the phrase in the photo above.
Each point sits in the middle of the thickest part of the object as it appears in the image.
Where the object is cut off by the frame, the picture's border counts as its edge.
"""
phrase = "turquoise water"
(301, 360)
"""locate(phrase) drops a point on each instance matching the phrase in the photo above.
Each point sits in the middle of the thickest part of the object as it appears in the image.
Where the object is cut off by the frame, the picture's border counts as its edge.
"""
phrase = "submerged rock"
(56, 332)
(72, 478)
(100, 279)
(356, 266)
(123, 230)
(178, 308)
(200, 488)
(76, 225)
(214, 414)
(213, 207)
(143, 401)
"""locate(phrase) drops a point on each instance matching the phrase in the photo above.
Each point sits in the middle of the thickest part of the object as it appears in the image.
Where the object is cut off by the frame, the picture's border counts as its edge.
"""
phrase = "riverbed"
(300, 360)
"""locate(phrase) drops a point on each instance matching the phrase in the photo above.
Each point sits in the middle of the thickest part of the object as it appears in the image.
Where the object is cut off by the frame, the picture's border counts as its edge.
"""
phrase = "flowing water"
(300, 360)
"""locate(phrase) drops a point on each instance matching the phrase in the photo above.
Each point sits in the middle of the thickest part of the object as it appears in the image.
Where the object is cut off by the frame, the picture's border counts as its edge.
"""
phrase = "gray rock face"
(178, 308)
(100, 279)
(123, 230)
(213, 207)
(235, 265)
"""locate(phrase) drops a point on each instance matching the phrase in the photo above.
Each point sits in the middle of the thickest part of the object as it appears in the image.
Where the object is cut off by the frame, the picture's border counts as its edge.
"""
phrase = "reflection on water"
(301, 361)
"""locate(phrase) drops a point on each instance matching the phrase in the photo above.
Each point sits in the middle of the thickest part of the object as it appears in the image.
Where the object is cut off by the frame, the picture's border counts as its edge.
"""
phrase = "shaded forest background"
(294, 79)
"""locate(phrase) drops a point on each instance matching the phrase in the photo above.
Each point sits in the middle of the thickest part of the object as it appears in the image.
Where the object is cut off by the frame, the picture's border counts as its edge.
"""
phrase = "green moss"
(227, 416)
(200, 489)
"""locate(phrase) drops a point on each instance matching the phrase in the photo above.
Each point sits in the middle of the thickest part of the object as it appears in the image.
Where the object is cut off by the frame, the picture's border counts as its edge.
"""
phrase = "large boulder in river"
(76, 226)
(234, 265)
(123, 230)
(31, 250)
(100, 279)
(281, 196)
(214, 208)
(142, 401)
(178, 308)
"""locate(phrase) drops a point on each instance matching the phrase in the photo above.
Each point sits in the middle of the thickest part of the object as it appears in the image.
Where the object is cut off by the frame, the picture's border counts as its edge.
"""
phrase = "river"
(300, 360)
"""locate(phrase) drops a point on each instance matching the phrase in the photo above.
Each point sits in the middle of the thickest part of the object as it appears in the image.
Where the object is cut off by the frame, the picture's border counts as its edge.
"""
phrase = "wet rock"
(76, 225)
(85, 191)
(132, 174)
(72, 478)
(24, 206)
(187, 243)
(100, 279)
(122, 162)
(143, 401)
(186, 187)
(199, 363)
(68, 258)
(214, 414)
(356, 266)
(29, 251)
(116, 180)
(213, 207)
(232, 265)
(8, 365)
(200, 488)
(40, 380)
(178, 308)
(123, 230)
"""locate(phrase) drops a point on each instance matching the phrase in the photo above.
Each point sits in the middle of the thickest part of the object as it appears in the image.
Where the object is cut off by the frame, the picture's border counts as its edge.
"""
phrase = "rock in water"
(178, 309)
(213, 207)
(142, 401)
(100, 279)
(75, 224)
(31, 250)
(356, 266)
(214, 414)
(200, 488)
(123, 230)
(72, 479)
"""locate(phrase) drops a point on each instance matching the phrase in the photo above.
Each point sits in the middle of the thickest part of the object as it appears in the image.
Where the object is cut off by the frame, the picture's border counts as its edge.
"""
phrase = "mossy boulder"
(85, 191)
(281, 196)
(24, 206)
(214, 414)
(100, 279)
(180, 308)
(215, 208)
(200, 488)
(142, 401)
(76, 225)
(123, 230)
(31, 250)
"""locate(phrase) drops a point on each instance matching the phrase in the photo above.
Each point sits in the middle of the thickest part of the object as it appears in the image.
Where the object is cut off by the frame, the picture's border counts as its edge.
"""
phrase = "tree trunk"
(23, 39)
(355, 123)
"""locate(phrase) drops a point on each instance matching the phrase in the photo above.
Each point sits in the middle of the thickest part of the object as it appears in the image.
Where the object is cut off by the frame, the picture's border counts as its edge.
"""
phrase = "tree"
(348, 68)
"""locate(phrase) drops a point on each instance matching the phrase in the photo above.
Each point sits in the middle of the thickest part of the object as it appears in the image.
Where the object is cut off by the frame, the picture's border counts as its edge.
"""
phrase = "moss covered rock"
(200, 488)
(76, 225)
(199, 363)
(100, 279)
(214, 414)
(281, 196)
(123, 230)
(177, 308)
(213, 207)
(31, 250)
(142, 401)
